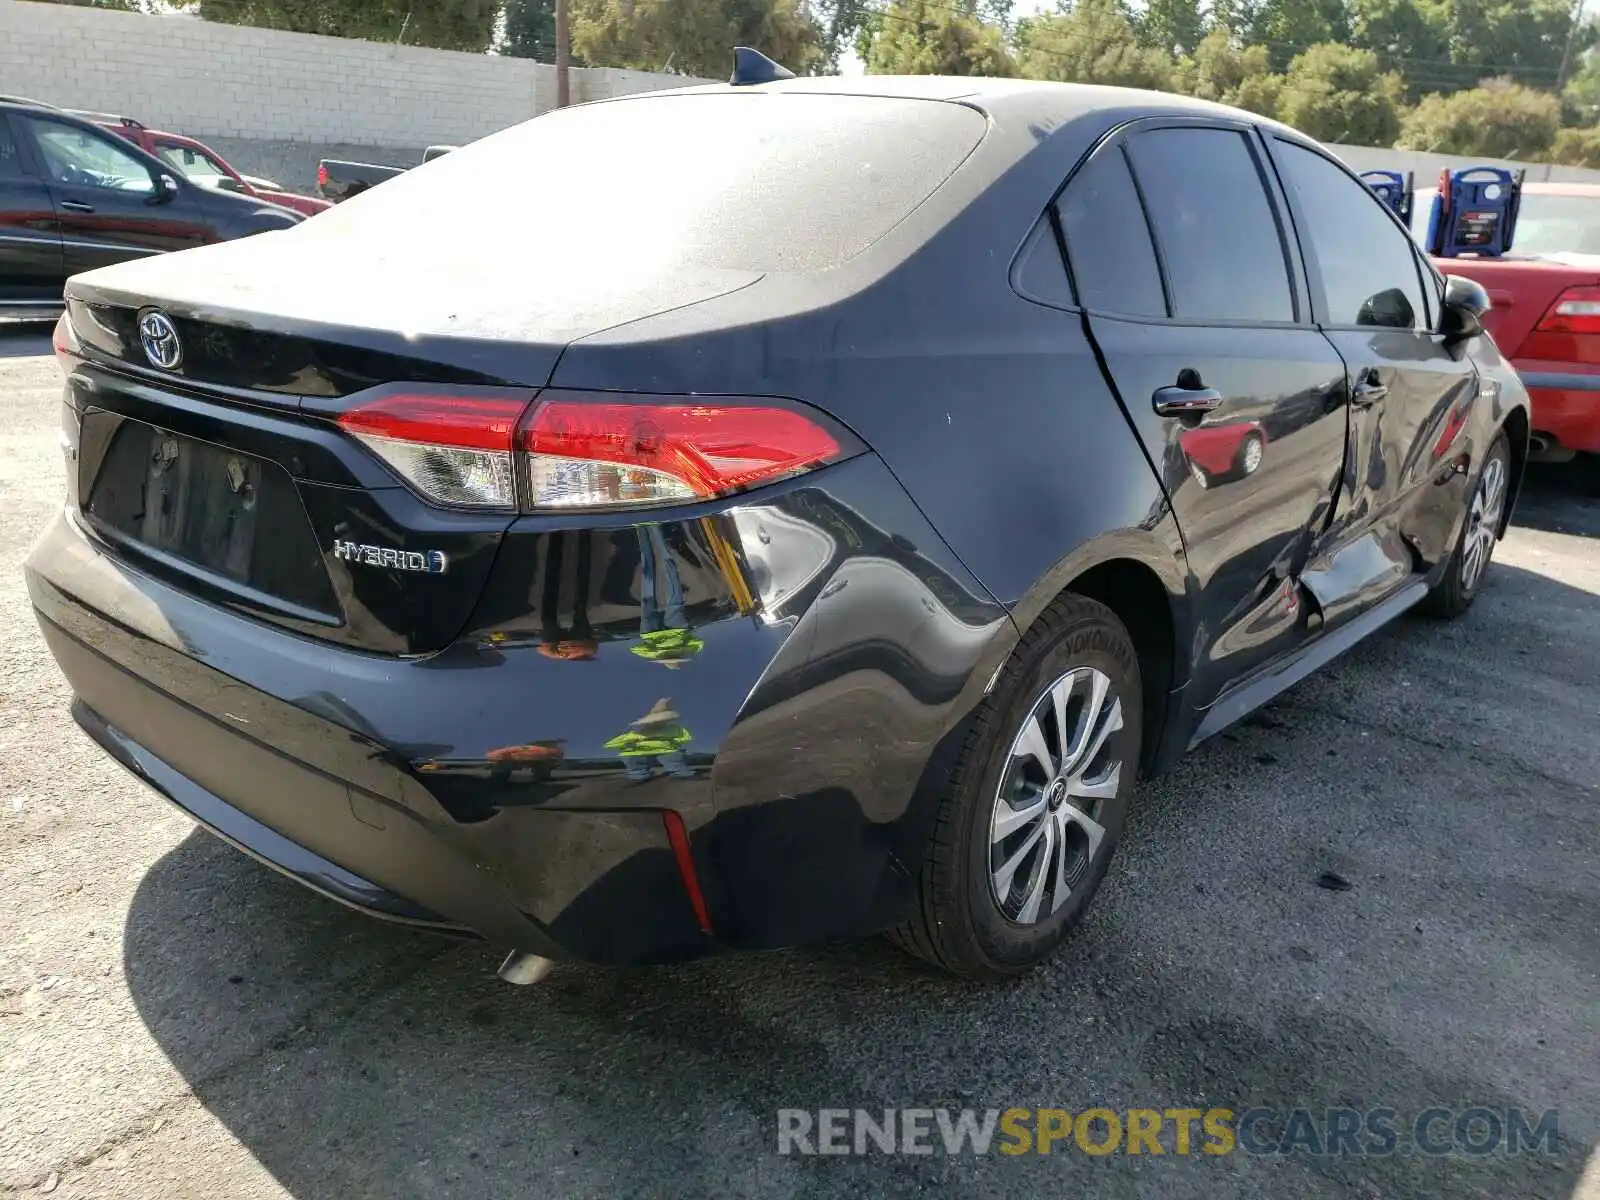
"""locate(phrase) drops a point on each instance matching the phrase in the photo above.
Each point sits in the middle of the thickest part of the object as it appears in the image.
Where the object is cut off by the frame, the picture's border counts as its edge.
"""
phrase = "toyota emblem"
(159, 337)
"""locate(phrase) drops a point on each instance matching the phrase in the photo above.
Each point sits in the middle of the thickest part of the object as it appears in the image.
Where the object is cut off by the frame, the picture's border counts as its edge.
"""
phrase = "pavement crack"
(1504, 758)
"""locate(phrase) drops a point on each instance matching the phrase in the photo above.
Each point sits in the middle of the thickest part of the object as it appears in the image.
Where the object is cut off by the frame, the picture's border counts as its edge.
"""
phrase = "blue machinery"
(1474, 210)
(1394, 189)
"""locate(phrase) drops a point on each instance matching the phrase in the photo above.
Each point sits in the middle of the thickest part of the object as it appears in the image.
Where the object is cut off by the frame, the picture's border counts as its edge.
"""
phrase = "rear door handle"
(1365, 395)
(1186, 402)
(77, 206)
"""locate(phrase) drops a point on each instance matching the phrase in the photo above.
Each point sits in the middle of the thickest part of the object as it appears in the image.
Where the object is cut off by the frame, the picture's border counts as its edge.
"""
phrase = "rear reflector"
(1576, 310)
(678, 839)
(455, 448)
(594, 452)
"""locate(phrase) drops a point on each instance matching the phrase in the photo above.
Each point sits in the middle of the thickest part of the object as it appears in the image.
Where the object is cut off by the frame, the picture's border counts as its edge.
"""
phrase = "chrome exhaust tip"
(522, 968)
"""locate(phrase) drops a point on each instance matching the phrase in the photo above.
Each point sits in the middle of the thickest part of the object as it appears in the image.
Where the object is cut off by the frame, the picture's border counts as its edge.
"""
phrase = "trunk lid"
(228, 475)
(1521, 291)
(474, 307)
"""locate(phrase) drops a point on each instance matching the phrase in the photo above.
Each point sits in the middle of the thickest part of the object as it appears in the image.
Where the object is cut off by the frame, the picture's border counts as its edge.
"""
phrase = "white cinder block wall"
(236, 82)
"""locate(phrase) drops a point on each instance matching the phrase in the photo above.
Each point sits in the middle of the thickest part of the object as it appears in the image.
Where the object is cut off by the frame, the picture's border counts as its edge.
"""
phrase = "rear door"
(107, 198)
(31, 267)
(1410, 394)
(1176, 237)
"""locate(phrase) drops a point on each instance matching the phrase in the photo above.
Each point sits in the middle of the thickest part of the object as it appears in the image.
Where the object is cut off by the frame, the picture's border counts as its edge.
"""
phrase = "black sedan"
(776, 524)
(74, 197)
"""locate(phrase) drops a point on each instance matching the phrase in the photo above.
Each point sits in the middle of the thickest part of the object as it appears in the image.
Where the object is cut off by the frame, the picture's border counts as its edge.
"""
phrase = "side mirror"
(166, 189)
(226, 183)
(1465, 302)
(1390, 308)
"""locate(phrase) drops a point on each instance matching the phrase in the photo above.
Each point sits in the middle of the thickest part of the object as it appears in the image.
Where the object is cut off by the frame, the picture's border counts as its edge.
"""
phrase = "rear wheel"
(1037, 800)
(1469, 564)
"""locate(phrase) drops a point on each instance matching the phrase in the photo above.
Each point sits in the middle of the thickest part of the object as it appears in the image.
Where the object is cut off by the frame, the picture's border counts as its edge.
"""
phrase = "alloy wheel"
(1483, 522)
(1253, 454)
(1045, 831)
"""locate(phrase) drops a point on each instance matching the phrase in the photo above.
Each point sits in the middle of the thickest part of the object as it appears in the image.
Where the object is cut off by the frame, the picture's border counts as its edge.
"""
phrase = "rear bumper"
(482, 789)
(1566, 404)
(362, 848)
(243, 831)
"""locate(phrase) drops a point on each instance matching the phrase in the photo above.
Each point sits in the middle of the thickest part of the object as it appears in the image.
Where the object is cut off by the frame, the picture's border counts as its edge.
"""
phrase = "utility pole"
(563, 58)
(1572, 36)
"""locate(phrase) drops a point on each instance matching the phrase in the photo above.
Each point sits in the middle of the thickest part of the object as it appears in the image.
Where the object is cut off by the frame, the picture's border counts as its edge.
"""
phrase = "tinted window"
(10, 154)
(754, 181)
(1113, 262)
(1369, 269)
(1223, 253)
(76, 156)
(1041, 274)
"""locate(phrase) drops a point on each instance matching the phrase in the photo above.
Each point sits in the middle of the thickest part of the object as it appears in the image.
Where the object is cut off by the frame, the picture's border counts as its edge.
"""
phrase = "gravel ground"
(178, 1021)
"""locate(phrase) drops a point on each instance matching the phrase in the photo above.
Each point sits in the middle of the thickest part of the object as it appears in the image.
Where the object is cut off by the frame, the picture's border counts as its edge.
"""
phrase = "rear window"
(1545, 224)
(1557, 224)
(758, 182)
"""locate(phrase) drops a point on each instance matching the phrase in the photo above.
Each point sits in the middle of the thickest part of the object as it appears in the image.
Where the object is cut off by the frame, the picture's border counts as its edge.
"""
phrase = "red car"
(203, 165)
(1227, 451)
(1546, 314)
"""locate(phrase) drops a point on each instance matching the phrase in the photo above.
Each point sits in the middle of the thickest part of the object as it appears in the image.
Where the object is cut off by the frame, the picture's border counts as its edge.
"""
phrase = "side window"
(1368, 264)
(1040, 275)
(75, 156)
(11, 164)
(1219, 238)
(200, 168)
(1108, 242)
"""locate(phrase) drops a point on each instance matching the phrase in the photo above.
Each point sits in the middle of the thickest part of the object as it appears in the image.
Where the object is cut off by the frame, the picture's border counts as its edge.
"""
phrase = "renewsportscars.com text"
(1468, 1130)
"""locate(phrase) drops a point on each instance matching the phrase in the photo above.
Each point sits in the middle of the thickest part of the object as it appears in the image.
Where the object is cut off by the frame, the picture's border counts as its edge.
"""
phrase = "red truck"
(202, 165)
(1546, 310)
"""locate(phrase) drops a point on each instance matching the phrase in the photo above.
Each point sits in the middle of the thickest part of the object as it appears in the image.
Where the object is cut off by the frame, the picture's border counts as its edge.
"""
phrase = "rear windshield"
(760, 182)
(1545, 224)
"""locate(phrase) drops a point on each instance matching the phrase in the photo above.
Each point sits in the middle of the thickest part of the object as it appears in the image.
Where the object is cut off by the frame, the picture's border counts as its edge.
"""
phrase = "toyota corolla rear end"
(349, 573)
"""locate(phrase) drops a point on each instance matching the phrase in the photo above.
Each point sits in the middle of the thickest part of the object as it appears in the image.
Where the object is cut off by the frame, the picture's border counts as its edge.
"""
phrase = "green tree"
(446, 24)
(1094, 42)
(530, 30)
(1523, 39)
(1408, 36)
(1339, 94)
(694, 37)
(1175, 26)
(1223, 71)
(1580, 100)
(932, 37)
(1578, 148)
(1501, 119)
(1287, 27)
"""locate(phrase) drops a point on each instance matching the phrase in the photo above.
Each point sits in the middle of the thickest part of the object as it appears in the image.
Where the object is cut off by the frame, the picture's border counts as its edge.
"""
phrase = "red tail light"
(594, 452)
(467, 447)
(64, 340)
(1576, 310)
(454, 447)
